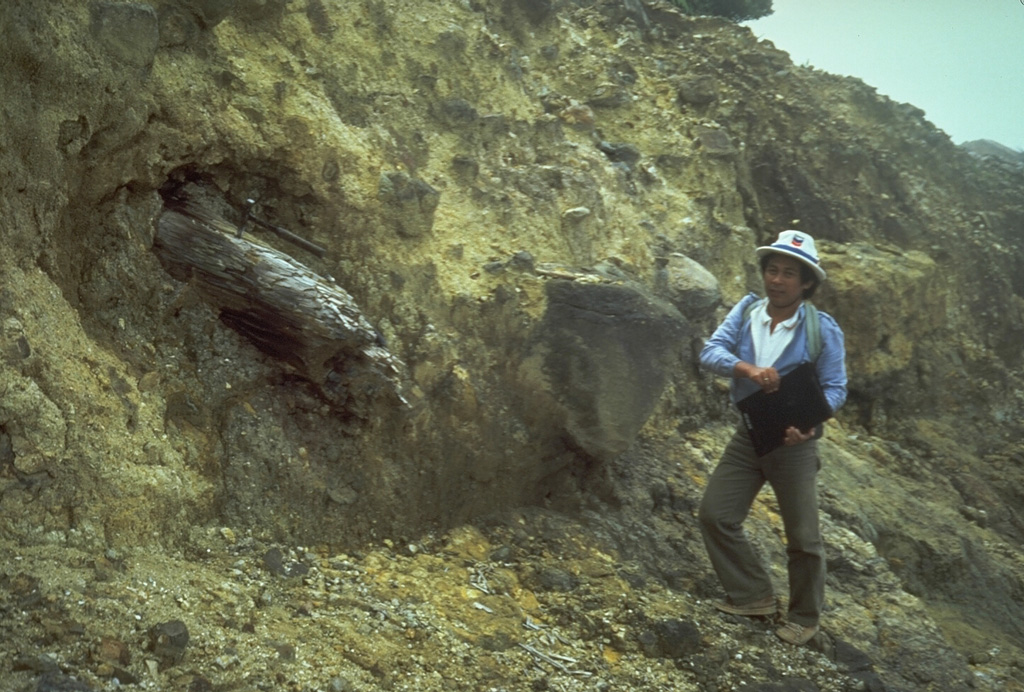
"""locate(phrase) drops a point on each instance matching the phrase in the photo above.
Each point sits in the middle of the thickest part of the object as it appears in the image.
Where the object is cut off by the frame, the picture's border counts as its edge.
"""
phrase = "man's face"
(782, 283)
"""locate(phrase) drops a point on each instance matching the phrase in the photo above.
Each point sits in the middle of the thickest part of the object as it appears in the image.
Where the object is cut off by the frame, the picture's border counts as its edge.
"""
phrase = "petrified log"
(287, 310)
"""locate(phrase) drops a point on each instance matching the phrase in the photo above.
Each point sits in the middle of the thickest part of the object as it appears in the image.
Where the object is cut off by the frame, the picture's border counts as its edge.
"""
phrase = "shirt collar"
(765, 318)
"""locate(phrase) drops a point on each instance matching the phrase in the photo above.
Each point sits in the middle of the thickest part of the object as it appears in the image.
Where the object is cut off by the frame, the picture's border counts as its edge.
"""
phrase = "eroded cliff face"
(543, 208)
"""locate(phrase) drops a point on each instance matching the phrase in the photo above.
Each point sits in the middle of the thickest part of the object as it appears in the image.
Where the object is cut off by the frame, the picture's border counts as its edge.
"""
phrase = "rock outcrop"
(541, 208)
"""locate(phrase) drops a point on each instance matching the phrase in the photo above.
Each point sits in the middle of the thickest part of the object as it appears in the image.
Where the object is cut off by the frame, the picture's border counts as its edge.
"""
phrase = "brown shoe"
(765, 606)
(796, 634)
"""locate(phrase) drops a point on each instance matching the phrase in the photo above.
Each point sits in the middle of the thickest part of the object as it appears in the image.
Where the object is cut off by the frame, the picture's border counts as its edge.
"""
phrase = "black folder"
(799, 402)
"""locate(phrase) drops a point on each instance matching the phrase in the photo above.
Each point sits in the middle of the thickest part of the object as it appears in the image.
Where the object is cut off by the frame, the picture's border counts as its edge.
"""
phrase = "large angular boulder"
(602, 356)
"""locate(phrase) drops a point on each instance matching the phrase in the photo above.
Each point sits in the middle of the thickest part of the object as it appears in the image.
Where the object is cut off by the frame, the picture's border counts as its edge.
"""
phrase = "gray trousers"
(736, 481)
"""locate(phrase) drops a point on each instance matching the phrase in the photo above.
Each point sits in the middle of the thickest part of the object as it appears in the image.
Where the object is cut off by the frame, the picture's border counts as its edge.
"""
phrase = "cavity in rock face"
(281, 306)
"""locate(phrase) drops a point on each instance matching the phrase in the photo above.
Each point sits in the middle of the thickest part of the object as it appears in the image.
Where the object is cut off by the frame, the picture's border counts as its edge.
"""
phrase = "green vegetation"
(736, 10)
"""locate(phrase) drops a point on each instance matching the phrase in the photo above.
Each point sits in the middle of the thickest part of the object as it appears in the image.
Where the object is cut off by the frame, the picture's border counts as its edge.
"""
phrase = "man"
(759, 342)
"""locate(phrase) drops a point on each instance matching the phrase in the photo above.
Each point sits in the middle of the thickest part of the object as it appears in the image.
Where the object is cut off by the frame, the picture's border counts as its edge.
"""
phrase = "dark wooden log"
(287, 310)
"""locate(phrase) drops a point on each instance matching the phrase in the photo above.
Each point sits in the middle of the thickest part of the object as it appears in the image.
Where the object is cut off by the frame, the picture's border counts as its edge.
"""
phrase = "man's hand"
(794, 436)
(766, 378)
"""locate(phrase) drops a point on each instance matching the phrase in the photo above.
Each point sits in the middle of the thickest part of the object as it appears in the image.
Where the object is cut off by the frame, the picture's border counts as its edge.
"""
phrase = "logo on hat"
(798, 241)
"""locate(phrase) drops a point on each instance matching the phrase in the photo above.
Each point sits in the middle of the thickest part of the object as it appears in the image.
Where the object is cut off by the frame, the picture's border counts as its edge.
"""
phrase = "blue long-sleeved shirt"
(733, 342)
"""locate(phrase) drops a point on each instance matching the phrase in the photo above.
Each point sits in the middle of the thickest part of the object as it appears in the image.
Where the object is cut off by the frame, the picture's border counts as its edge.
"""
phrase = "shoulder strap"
(812, 325)
(751, 307)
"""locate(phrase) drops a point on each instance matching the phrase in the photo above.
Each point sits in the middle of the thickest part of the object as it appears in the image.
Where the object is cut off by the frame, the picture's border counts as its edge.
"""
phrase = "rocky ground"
(598, 596)
(529, 603)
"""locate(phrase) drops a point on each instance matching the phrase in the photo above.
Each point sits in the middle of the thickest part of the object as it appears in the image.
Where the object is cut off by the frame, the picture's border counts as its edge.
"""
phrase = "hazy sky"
(960, 61)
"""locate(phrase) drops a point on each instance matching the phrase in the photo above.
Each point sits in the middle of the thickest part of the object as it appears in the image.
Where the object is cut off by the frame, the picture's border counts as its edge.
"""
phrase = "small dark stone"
(523, 261)
(297, 569)
(699, 91)
(661, 496)
(610, 97)
(979, 658)
(635, 581)
(648, 640)
(26, 589)
(716, 142)
(671, 639)
(495, 124)
(273, 560)
(458, 112)
(178, 26)
(125, 676)
(331, 171)
(168, 641)
(554, 579)
(226, 79)
(73, 132)
(181, 408)
(621, 153)
(466, 168)
(452, 43)
(851, 659)
(409, 202)
(502, 554)
(40, 664)
(674, 163)
(284, 650)
(129, 32)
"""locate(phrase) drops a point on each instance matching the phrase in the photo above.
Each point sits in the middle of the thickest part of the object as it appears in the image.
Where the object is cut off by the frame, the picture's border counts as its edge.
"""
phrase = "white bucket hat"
(796, 244)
